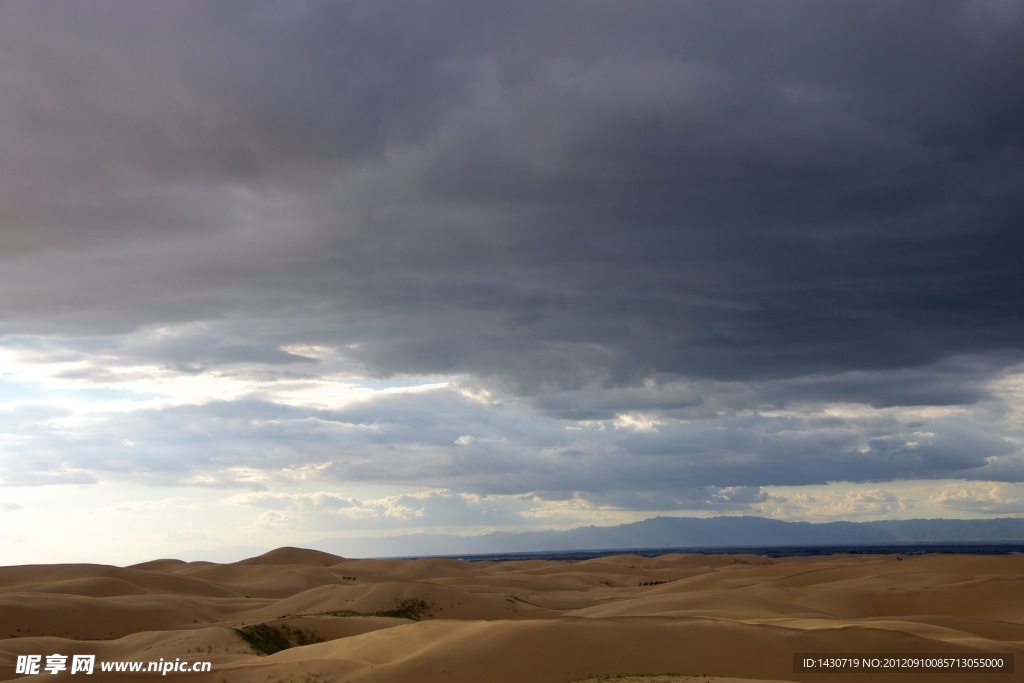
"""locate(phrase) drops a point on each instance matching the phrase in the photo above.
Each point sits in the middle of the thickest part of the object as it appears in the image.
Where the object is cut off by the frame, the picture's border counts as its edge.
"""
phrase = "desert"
(295, 615)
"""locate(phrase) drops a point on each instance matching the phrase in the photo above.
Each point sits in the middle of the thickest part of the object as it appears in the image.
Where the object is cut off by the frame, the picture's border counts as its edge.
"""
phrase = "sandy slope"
(445, 620)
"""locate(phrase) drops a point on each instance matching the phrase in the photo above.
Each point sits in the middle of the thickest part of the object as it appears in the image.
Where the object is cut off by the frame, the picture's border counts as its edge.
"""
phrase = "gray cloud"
(440, 438)
(700, 213)
(496, 198)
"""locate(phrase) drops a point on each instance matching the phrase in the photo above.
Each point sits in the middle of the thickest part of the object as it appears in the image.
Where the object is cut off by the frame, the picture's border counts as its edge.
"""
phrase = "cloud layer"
(644, 255)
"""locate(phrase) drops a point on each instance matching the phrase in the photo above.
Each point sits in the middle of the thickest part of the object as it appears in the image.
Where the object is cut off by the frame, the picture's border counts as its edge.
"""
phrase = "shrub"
(266, 639)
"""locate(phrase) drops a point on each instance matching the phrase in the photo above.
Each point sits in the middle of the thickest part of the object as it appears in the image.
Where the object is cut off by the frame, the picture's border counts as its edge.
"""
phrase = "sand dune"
(700, 618)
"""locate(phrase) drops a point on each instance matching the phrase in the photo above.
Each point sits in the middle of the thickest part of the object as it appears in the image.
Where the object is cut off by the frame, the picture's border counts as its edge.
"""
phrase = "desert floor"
(700, 618)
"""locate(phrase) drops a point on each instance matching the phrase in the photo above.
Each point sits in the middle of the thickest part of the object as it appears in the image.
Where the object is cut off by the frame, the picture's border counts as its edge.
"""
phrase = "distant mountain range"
(688, 532)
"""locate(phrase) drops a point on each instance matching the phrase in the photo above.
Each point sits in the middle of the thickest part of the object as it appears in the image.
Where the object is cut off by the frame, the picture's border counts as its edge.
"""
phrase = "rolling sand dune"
(701, 618)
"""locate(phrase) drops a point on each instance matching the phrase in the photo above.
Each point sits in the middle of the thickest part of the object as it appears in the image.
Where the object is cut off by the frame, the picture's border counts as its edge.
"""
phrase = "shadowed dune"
(326, 618)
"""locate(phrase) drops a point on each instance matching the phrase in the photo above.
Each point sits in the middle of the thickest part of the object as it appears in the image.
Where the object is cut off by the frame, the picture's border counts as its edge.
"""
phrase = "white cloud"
(861, 504)
(987, 498)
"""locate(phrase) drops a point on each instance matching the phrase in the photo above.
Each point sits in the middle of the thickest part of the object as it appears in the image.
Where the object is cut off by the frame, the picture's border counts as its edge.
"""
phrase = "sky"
(278, 271)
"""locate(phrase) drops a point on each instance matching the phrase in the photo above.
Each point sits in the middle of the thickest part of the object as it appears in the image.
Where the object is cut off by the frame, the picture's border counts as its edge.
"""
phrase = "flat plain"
(296, 615)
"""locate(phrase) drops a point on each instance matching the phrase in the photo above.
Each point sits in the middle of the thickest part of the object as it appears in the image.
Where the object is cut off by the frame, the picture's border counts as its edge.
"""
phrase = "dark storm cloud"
(692, 210)
(551, 194)
(953, 381)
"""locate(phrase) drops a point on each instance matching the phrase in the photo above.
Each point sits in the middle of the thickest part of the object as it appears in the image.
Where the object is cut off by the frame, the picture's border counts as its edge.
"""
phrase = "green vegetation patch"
(405, 608)
(266, 639)
(408, 608)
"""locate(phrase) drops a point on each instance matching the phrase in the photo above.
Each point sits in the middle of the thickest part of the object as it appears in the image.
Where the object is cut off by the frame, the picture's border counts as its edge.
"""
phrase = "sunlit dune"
(301, 615)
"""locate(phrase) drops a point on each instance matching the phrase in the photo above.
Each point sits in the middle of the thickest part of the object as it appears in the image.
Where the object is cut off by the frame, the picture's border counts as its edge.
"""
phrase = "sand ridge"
(727, 616)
